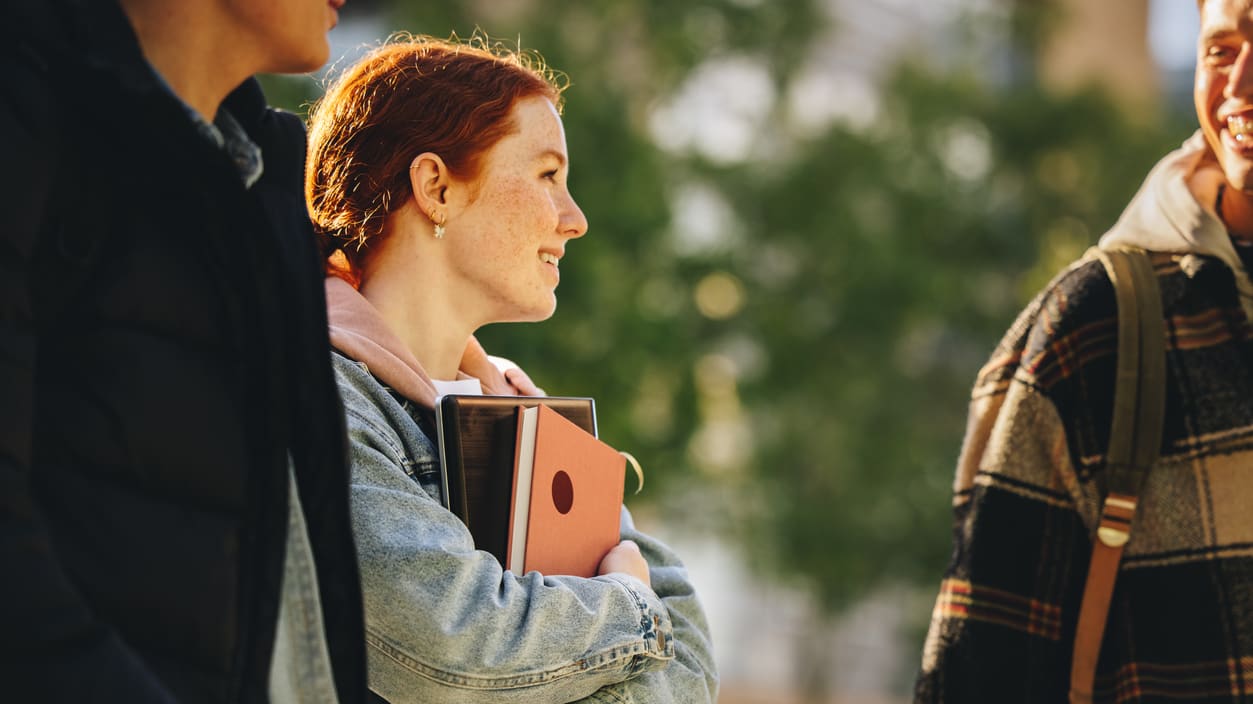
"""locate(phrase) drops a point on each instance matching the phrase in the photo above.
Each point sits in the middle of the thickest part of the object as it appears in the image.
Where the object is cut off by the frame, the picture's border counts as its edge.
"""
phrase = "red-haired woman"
(437, 176)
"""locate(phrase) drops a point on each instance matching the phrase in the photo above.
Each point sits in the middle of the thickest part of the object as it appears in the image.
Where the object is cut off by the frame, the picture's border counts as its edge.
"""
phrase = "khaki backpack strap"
(1134, 444)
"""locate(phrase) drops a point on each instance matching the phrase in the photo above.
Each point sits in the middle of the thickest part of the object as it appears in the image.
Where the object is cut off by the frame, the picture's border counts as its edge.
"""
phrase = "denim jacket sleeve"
(444, 622)
(692, 677)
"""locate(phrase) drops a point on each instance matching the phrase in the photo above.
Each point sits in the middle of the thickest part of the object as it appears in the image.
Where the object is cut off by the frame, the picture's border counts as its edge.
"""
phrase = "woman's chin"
(533, 314)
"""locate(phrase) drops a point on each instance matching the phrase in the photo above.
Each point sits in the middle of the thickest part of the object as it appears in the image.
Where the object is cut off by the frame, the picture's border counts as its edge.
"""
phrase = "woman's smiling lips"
(553, 259)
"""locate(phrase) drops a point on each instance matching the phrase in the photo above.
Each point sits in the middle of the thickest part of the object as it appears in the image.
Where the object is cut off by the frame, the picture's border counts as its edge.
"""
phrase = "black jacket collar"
(107, 42)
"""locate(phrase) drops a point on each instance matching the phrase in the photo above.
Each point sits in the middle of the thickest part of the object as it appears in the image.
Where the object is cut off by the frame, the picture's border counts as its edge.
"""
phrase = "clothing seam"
(657, 645)
(623, 656)
(409, 466)
(607, 695)
(397, 449)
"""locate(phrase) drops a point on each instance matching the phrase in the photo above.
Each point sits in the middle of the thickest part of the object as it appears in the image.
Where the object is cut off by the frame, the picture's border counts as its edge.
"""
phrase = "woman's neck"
(408, 283)
(425, 328)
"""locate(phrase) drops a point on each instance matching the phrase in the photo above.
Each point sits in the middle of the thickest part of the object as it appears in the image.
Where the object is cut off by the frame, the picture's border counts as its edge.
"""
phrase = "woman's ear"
(429, 178)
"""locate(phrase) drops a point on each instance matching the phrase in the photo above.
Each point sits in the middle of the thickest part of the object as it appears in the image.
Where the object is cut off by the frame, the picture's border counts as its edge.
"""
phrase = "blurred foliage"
(913, 244)
(798, 380)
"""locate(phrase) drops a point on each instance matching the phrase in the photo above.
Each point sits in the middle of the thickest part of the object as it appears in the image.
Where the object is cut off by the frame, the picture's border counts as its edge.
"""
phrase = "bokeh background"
(811, 220)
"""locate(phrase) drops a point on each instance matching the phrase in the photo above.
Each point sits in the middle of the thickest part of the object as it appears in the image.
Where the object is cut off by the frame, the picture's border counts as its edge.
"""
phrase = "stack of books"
(531, 480)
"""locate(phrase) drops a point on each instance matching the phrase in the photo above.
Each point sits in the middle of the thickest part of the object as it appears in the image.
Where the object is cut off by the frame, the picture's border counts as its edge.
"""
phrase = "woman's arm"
(692, 677)
(445, 623)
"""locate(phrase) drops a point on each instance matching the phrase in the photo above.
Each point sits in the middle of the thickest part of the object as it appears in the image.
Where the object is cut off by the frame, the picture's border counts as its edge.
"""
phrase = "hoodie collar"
(359, 332)
(1174, 212)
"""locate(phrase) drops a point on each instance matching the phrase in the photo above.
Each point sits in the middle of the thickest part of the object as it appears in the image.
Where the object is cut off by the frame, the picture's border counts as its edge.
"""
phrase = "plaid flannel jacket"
(1027, 495)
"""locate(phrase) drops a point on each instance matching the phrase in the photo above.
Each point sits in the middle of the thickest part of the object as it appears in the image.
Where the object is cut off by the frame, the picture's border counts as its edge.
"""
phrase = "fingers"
(625, 557)
(519, 380)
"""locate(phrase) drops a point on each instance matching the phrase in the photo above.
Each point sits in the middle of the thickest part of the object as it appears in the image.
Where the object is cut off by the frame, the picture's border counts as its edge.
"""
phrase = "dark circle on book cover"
(563, 492)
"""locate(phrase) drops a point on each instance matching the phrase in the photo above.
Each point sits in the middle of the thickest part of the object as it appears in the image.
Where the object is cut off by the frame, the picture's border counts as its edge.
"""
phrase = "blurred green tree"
(785, 335)
(910, 247)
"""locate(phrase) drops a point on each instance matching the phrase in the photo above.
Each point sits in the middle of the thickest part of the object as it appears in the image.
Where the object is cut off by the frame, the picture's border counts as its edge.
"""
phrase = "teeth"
(1240, 126)
(548, 258)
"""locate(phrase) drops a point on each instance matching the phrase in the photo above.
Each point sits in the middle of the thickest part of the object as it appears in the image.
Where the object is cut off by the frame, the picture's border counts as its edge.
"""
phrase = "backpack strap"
(1134, 444)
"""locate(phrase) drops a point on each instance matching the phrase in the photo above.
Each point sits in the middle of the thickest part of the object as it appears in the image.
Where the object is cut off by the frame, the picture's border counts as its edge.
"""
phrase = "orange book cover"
(567, 496)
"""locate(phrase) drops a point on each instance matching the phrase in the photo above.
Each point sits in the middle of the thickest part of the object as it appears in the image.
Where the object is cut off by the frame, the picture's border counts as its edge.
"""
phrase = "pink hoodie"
(359, 332)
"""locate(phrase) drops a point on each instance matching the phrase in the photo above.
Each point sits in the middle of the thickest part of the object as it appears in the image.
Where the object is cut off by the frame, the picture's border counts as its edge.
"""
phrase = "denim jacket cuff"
(656, 628)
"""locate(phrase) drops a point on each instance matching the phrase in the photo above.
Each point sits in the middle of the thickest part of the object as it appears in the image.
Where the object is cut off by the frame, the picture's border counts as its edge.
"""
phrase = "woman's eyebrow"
(560, 157)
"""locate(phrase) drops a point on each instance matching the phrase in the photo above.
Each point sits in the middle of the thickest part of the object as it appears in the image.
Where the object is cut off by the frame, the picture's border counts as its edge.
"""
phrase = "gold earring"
(439, 227)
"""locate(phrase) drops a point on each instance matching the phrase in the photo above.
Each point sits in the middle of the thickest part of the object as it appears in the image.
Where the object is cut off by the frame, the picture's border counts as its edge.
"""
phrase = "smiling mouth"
(549, 258)
(1241, 126)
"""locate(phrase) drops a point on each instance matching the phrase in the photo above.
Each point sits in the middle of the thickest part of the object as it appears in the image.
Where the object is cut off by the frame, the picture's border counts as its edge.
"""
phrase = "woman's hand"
(625, 557)
(519, 380)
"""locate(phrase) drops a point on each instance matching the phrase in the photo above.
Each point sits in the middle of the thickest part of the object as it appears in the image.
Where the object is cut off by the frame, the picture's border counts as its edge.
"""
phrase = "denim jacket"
(446, 623)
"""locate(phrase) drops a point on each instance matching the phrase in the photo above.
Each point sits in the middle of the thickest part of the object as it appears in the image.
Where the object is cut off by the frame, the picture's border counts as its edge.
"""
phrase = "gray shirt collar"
(226, 132)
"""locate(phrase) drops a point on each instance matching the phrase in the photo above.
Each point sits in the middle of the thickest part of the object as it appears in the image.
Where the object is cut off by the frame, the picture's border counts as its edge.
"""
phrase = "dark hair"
(411, 95)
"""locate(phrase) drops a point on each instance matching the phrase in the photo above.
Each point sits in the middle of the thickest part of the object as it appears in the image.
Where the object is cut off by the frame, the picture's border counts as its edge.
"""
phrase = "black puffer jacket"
(163, 348)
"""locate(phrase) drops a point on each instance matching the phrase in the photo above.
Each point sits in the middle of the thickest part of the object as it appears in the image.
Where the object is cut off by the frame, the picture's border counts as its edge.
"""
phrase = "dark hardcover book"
(477, 438)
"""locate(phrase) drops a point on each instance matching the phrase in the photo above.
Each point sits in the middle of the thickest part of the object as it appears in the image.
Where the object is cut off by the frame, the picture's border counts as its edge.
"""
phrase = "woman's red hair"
(411, 95)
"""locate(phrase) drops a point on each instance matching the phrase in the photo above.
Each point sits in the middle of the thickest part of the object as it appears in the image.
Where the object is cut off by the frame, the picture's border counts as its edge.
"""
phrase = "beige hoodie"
(1173, 212)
